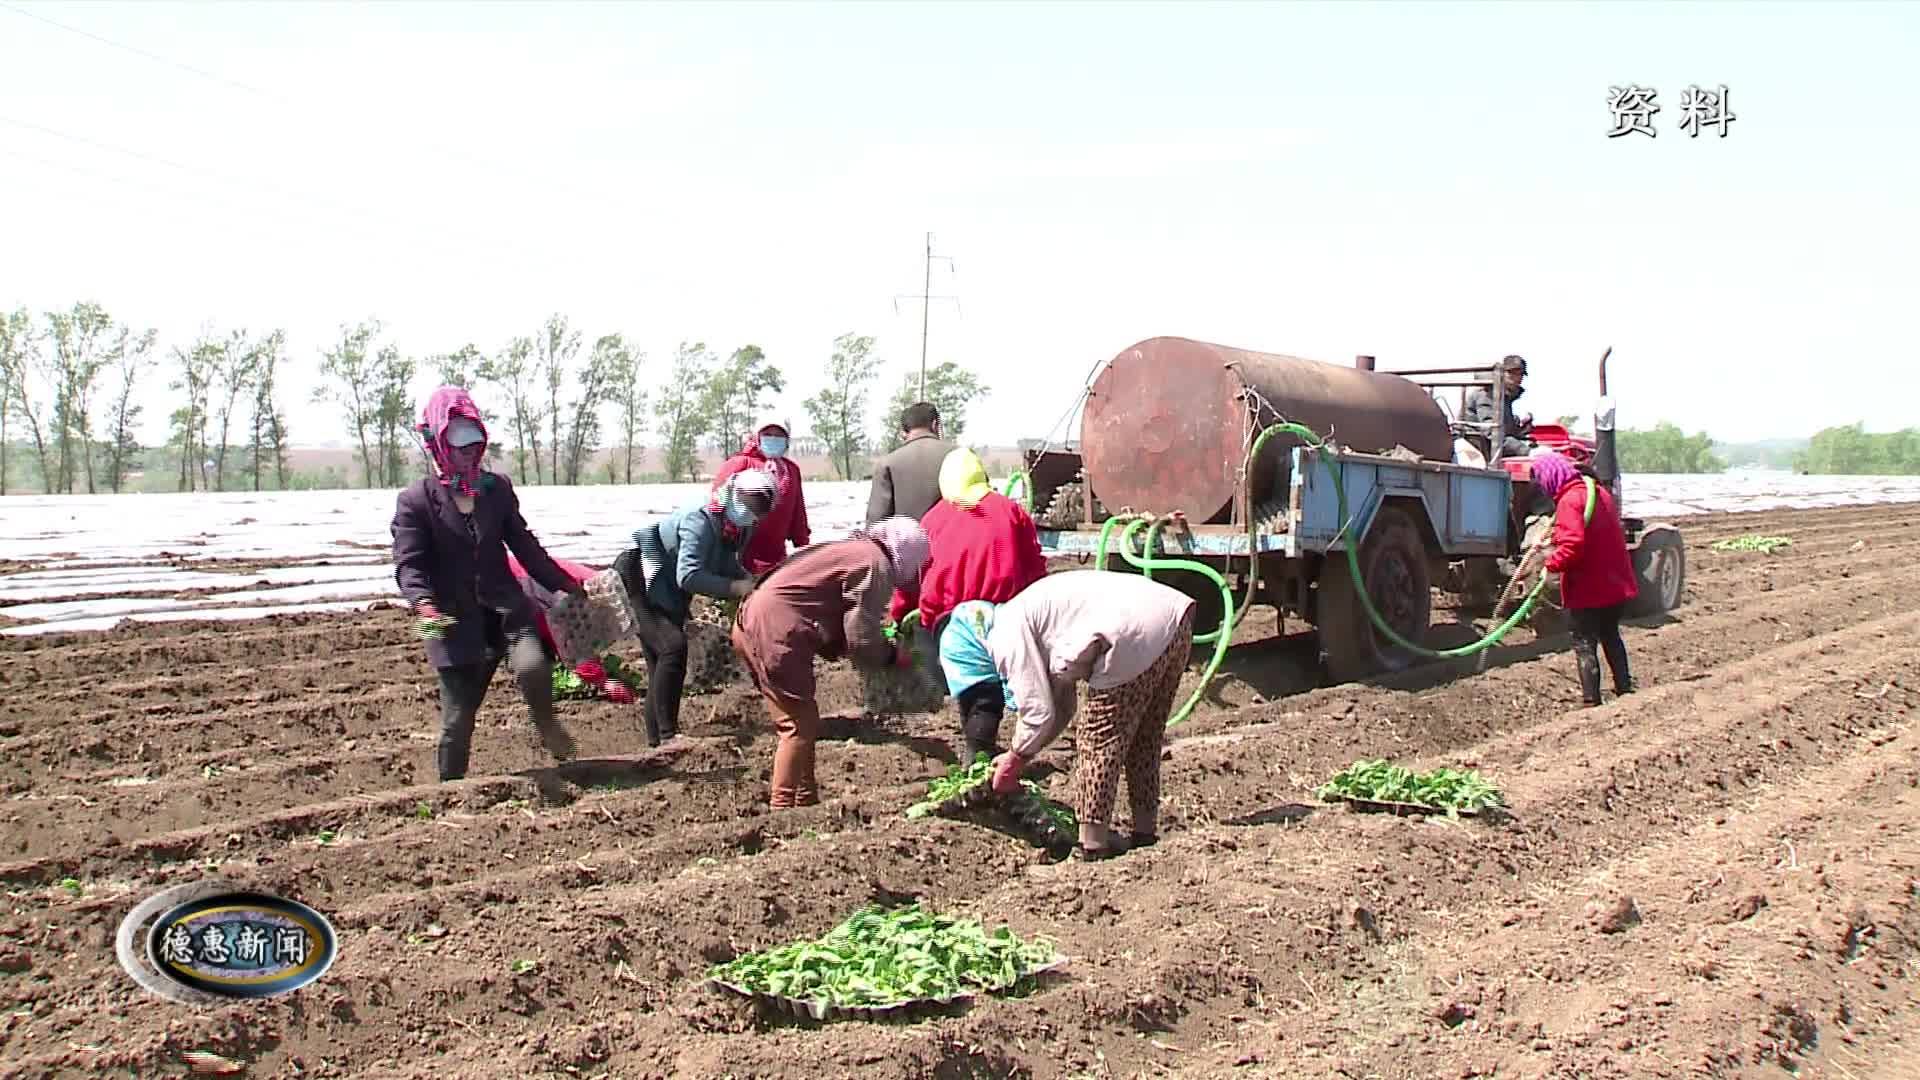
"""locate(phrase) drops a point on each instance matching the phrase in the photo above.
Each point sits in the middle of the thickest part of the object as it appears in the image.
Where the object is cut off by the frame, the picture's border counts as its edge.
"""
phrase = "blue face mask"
(774, 446)
(739, 515)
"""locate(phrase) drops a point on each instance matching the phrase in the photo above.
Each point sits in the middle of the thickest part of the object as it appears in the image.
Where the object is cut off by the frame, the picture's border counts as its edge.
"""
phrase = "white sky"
(1429, 183)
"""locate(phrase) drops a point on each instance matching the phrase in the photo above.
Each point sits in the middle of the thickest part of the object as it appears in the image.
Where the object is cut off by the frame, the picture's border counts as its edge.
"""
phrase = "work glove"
(1006, 772)
(428, 623)
(739, 588)
(618, 692)
(903, 656)
(591, 672)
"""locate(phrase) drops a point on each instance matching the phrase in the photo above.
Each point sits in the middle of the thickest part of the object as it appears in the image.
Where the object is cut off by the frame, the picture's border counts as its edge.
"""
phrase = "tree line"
(69, 380)
(1848, 450)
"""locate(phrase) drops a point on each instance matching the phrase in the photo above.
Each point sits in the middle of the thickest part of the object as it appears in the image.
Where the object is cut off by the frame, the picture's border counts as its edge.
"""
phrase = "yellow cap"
(963, 478)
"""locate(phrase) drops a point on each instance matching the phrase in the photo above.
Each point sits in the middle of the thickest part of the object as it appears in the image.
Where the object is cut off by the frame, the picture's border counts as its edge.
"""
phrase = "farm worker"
(451, 532)
(906, 483)
(693, 550)
(1596, 573)
(766, 451)
(547, 608)
(1127, 638)
(828, 601)
(1513, 370)
(985, 547)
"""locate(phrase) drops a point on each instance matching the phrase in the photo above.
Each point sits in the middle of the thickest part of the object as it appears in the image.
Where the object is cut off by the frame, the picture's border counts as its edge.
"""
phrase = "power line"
(354, 212)
(413, 139)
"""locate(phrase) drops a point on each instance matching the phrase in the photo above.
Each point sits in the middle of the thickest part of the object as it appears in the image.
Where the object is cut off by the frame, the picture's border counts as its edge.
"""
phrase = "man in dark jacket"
(451, 532)
(906, 483)
(1513, 370)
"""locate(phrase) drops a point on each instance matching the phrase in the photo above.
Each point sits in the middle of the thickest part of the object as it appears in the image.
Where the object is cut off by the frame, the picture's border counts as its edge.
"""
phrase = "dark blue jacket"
(685, 553)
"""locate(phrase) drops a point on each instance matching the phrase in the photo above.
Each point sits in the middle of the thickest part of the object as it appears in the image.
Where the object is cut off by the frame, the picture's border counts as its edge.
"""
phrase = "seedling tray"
(1402, 809)
(825, 1011)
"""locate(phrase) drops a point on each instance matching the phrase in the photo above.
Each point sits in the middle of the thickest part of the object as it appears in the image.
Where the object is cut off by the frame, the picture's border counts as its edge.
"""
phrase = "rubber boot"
(1589, 675)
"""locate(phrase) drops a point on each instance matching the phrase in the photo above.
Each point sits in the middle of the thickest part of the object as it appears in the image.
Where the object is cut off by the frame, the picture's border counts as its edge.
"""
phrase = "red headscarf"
(455, 465)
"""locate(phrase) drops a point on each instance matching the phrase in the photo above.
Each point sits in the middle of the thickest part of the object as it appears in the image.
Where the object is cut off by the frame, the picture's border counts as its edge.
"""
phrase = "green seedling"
(1765, 545)
(423, 811)
(73, 886)
(957, 782)
(326, 836)
(1439, 789)
(521, 967)
(880, 958)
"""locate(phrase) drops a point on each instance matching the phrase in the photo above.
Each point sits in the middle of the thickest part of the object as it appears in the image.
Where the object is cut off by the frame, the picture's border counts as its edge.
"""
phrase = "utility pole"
(926, 299)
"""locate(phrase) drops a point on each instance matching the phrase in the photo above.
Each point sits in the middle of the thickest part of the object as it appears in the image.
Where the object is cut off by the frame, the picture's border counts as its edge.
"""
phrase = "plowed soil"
(1716, 876)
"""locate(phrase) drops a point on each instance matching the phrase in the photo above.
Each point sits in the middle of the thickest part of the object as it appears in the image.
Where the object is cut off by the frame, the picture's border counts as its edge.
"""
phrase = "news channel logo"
(215, 942)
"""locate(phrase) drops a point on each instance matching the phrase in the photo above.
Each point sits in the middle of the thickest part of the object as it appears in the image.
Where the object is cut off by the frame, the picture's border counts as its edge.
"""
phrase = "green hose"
(1026, 488)
(1231, 616)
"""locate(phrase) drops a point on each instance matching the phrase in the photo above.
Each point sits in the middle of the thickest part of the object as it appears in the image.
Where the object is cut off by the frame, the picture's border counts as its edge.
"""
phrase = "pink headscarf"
(455, 467)
(1552, 472)
(906, 545)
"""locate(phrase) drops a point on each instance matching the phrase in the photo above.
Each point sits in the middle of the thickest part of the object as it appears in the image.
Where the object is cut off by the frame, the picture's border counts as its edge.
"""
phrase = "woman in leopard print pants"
(1128, 638)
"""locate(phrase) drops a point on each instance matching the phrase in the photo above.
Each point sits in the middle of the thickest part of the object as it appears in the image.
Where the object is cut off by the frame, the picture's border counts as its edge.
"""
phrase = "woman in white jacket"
(1128, 639)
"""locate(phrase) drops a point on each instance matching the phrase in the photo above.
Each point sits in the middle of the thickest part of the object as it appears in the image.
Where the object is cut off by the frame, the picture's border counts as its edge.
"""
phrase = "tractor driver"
(1515, 428)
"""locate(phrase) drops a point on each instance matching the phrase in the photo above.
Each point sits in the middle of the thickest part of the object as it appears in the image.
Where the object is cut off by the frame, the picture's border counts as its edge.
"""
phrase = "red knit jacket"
(989, 552)
(788, 522)
(1590, 557)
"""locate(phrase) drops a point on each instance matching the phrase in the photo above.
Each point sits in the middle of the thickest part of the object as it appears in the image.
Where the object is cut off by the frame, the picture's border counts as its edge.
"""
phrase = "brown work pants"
(797, 722)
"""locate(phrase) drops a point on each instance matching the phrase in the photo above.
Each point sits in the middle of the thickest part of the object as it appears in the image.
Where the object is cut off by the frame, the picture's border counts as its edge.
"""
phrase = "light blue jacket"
(685, 553)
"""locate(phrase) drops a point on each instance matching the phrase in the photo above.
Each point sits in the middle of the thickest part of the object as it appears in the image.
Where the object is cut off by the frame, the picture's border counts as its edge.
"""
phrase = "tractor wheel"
(1660, 564)
(1393, 562)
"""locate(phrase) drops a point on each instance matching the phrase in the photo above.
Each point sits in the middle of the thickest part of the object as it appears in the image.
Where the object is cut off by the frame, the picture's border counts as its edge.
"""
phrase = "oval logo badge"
(217, 941)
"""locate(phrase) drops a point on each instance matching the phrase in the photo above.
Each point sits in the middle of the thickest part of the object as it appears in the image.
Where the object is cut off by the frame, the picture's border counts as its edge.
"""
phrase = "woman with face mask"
(451, 532)
(766, 451)
(828, 601)
(694, 550)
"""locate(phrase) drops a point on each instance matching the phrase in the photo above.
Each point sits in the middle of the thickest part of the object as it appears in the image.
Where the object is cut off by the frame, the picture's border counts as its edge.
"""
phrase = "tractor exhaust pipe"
(1606, 465)
(1364, 363)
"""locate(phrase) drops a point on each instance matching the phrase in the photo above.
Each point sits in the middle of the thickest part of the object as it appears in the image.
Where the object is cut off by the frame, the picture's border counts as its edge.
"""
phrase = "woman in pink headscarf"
(1596, 572)
(828, 601)
(451, 532)
(766, 451)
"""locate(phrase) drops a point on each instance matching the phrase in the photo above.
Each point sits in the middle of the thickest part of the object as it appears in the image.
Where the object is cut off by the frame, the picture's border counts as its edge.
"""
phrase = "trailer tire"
(1393, 561)
(1660, 570)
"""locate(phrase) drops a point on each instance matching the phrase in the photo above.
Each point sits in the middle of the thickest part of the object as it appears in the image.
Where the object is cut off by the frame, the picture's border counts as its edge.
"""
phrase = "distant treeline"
(69, 415)
(1836, 451)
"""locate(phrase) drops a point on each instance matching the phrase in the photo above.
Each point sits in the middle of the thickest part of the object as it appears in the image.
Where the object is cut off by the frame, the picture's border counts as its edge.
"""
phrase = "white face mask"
(739, 515)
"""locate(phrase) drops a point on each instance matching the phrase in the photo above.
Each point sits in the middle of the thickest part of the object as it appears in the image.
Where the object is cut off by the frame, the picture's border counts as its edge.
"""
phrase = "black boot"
(1589, 676)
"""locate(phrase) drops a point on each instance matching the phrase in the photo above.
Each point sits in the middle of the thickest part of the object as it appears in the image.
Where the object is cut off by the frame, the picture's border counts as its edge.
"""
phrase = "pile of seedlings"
(1378, 784)
(968, 788)
(1765, 545)
(879, 961)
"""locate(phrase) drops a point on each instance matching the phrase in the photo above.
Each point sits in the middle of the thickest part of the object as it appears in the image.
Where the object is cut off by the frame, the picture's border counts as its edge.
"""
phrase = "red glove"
(591, 672)
(618, 692)
(1006, 772)
(902, 657)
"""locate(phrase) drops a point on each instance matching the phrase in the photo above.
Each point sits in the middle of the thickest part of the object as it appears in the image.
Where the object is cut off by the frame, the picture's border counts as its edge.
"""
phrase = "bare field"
(1717, 876)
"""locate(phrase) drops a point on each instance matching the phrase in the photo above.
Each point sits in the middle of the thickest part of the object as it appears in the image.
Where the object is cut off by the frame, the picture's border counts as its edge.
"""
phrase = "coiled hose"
(1147, 562)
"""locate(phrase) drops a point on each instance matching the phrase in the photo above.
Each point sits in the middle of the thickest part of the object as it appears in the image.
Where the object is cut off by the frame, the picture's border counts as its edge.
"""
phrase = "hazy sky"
(1427, 182)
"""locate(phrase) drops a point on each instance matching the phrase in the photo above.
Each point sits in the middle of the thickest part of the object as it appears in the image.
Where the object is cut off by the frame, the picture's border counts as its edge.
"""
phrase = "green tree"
(736, 393)
(135, 356)
(950, 388)
(353, 384)
(682, 409)
(196, 363)
(392, 412)
(1666, 449)
(604, 363)
(19, 362)
(839, 410)
(630, 402)
(556, 347)
(510, 371)
(233, 373)
(269, 425)
(1851, 450)
(459, 367)
(80, 351)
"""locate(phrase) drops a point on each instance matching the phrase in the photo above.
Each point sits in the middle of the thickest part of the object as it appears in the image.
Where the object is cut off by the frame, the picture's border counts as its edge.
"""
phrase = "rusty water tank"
(1165, 425)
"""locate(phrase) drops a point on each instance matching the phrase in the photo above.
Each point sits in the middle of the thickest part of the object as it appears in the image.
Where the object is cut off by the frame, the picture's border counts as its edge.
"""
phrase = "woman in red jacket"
(766, 450)
(1596, 573)
(985, 547)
